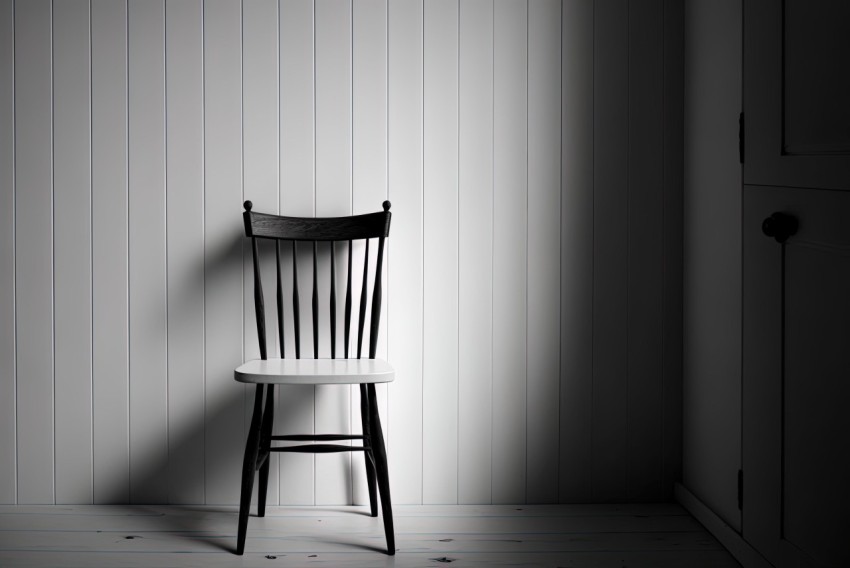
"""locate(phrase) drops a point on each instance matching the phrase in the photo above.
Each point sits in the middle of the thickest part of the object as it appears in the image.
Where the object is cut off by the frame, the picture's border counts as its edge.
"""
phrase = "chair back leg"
(249, 467)
(383, 475)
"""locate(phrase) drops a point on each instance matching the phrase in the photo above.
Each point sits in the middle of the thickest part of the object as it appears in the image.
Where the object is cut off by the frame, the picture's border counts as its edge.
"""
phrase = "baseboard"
(728, 537)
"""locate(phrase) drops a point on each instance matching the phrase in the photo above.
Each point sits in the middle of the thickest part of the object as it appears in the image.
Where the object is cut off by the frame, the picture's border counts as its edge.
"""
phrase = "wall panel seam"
(279, 161)
(492, 220)
(527, 241)
(628, 233)
(663, 161)
(388, 254)
(593, 237)
(242, 188)
(349, 466)
(204, 234)
(15, 242)
(560, 239)
(53, 237)
(91, 254)
(422, 240)
(315, 114)
(457, 239)
(127, 225)
(165, 241)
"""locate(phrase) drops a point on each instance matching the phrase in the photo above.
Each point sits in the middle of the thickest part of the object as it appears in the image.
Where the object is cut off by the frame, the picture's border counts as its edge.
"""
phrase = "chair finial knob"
(387, 205)
(248, 205)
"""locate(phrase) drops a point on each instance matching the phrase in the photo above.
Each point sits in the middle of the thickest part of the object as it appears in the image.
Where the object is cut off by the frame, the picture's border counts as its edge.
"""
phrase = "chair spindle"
(347, 331)
(296, 310)
(363, 295)
(333, 303)
(376, 302)
(259, 306)
(279, 300)
(315, 302)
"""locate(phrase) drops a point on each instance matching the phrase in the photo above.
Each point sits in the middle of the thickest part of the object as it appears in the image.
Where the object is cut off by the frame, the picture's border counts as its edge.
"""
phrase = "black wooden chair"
(338, 233)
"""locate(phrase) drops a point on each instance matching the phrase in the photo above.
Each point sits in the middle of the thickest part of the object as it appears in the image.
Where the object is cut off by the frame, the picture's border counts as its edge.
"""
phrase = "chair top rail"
(368, 226)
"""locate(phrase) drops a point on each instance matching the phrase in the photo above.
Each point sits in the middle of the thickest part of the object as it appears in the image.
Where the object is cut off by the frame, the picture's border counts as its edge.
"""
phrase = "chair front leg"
(249, 466)
(265, 454)
(370, 467)
(383, 474)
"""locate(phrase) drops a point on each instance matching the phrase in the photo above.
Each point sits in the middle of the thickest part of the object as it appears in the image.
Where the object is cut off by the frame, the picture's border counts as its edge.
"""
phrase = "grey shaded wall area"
(712, 255)
(621, 261)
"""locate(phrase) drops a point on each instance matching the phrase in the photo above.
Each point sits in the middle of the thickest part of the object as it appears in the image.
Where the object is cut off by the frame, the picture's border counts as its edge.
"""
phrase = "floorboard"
(560, 535)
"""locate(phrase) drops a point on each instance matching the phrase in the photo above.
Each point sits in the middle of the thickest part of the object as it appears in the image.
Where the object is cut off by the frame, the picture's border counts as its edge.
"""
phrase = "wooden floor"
(597, 536)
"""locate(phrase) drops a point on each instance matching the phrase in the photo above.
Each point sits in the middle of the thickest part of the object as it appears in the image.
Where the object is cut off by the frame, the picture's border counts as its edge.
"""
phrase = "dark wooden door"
(796, 294)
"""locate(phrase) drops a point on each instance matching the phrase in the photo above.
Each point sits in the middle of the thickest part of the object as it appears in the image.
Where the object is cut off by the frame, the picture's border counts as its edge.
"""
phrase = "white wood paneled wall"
(532, 153)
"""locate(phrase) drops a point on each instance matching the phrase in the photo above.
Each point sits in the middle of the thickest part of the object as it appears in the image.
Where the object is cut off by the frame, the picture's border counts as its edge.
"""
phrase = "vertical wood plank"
(404, 257)
(369, 105)
(149, 451)
(34, 251)
(260, 140)
(260, 168)
(333, 198)
(297, 151)
(577, 272)
(610, 250)
(8, 418)
(333, 108)
(475, 252)
(185, 246)
(369, 178)
(544, 248)
(673, 248)
(645, 261)
(440, 254)
(109, 252)
(72, 246)
(510, 249)
(223, 236)
(297, 141)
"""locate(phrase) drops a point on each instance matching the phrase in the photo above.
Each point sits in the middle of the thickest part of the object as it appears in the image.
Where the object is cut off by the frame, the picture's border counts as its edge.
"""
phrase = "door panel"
(796, 389)
(815, 83)
(817, 360)
(796, 89)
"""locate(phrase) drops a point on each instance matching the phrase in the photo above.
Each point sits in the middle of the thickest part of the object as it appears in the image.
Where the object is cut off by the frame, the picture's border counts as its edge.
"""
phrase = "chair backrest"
(331, 230)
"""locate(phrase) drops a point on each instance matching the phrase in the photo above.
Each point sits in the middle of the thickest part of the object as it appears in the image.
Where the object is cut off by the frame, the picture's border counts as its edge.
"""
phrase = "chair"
(266, 373)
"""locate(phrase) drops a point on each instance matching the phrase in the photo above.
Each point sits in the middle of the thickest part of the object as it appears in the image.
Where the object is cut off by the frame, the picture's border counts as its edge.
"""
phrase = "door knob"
(780, 226)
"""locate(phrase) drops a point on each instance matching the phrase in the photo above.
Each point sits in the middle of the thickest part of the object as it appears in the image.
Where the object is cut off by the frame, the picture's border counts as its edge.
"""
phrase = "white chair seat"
(315, 371)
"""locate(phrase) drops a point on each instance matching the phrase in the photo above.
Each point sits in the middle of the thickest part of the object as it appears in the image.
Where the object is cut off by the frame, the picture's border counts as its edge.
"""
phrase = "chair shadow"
(196, 526)
(165, 477)
(360, 545)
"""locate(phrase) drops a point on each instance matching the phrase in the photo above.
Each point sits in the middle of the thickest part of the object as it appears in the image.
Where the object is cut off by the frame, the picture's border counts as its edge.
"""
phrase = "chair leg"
(370, 466)
(265, 444)
(383, 475)
(249, 466)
